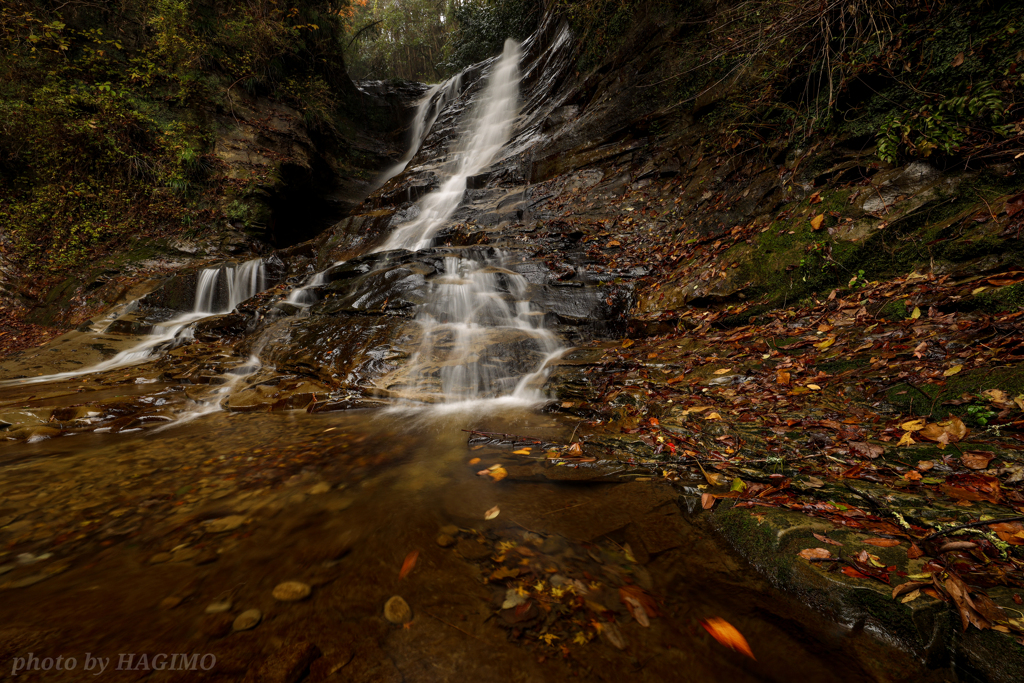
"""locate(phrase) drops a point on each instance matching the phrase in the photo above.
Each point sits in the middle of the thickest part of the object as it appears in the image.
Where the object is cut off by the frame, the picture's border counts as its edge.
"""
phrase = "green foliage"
(481, 28)
(105, 130)
(943, 127)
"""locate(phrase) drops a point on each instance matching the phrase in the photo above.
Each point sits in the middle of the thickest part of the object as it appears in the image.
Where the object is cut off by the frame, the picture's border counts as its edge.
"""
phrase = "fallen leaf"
(947, 431)
(912, 425)
(712, 416)
(707, 501)
(957, 545)
(882, 542)
(977, 460)
(726, 634)
(826, 539)
(722, 371)
(505, 573)
(925, 465)
(865, 449)
(626, 344)
(474, 461)
(522, 451)
(782, 377)
(492, 513)
(613, 243)
(958, 60)
(906, 440)
(498, 473)
(952, 371)
(637, 610)
(817, 221)
(913, 475)
(814, 198)
(913, 552)
(916, 313)
(410, 562)
(815, 554)
(825, 343)
(814, 387)
(911, 596)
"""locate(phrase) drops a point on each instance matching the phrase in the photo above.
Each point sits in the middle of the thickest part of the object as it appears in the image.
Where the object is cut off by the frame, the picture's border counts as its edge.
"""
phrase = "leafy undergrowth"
(892, 408)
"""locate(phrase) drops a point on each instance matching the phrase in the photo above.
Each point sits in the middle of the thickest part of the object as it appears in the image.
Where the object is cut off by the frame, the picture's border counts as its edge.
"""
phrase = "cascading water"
(427, 110)
(240, 282)
(489, 130)
(481, 336)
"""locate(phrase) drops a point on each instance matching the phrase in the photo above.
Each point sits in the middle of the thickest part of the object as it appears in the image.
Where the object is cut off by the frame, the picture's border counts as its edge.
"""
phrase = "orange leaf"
(410, 562)
(707, 501)
(815, 554)
(726, 634)
(882, 542)
(913, 552)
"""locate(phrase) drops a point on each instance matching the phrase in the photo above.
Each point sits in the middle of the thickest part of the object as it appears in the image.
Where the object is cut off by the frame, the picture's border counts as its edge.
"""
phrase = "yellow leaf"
(912, 425)
(817, 221)
(912, 595)
(579, 638)
(474, 461)
(626, 344)
(712, 416)
(916, 314)
(826, 343)
(953, 370)
(498, 473)
(522, 451)
(907, 440)
(722, 371)
(814, 387)
(492, 513)
(978, 291)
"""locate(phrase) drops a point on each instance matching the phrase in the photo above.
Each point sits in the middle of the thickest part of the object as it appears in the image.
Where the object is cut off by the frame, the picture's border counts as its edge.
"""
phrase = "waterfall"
(239, 282)
(427, 111)
(481, 337)
(489, 129)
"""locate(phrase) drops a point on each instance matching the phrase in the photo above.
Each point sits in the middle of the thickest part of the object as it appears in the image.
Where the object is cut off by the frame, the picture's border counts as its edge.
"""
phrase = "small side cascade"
(239, 282)
(427, 111)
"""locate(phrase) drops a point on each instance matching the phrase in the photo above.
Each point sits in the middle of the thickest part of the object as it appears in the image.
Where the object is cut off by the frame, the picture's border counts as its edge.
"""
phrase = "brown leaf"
(957, 545)
(815, 554)
(977, 460)
(410, 562)
(826, 539)
(958, 60)
(815, 198)
(782, 377)
(913, 552)
(817, 221)
(882, 542)
(947, 431)
(726, 634)
(707, 501)
(864, 449)
(908, 587)
(1015, 205)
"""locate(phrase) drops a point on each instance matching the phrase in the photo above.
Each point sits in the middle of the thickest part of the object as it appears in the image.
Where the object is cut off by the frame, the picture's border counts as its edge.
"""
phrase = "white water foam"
(490, 127)
(482, 339)
(240, 282)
